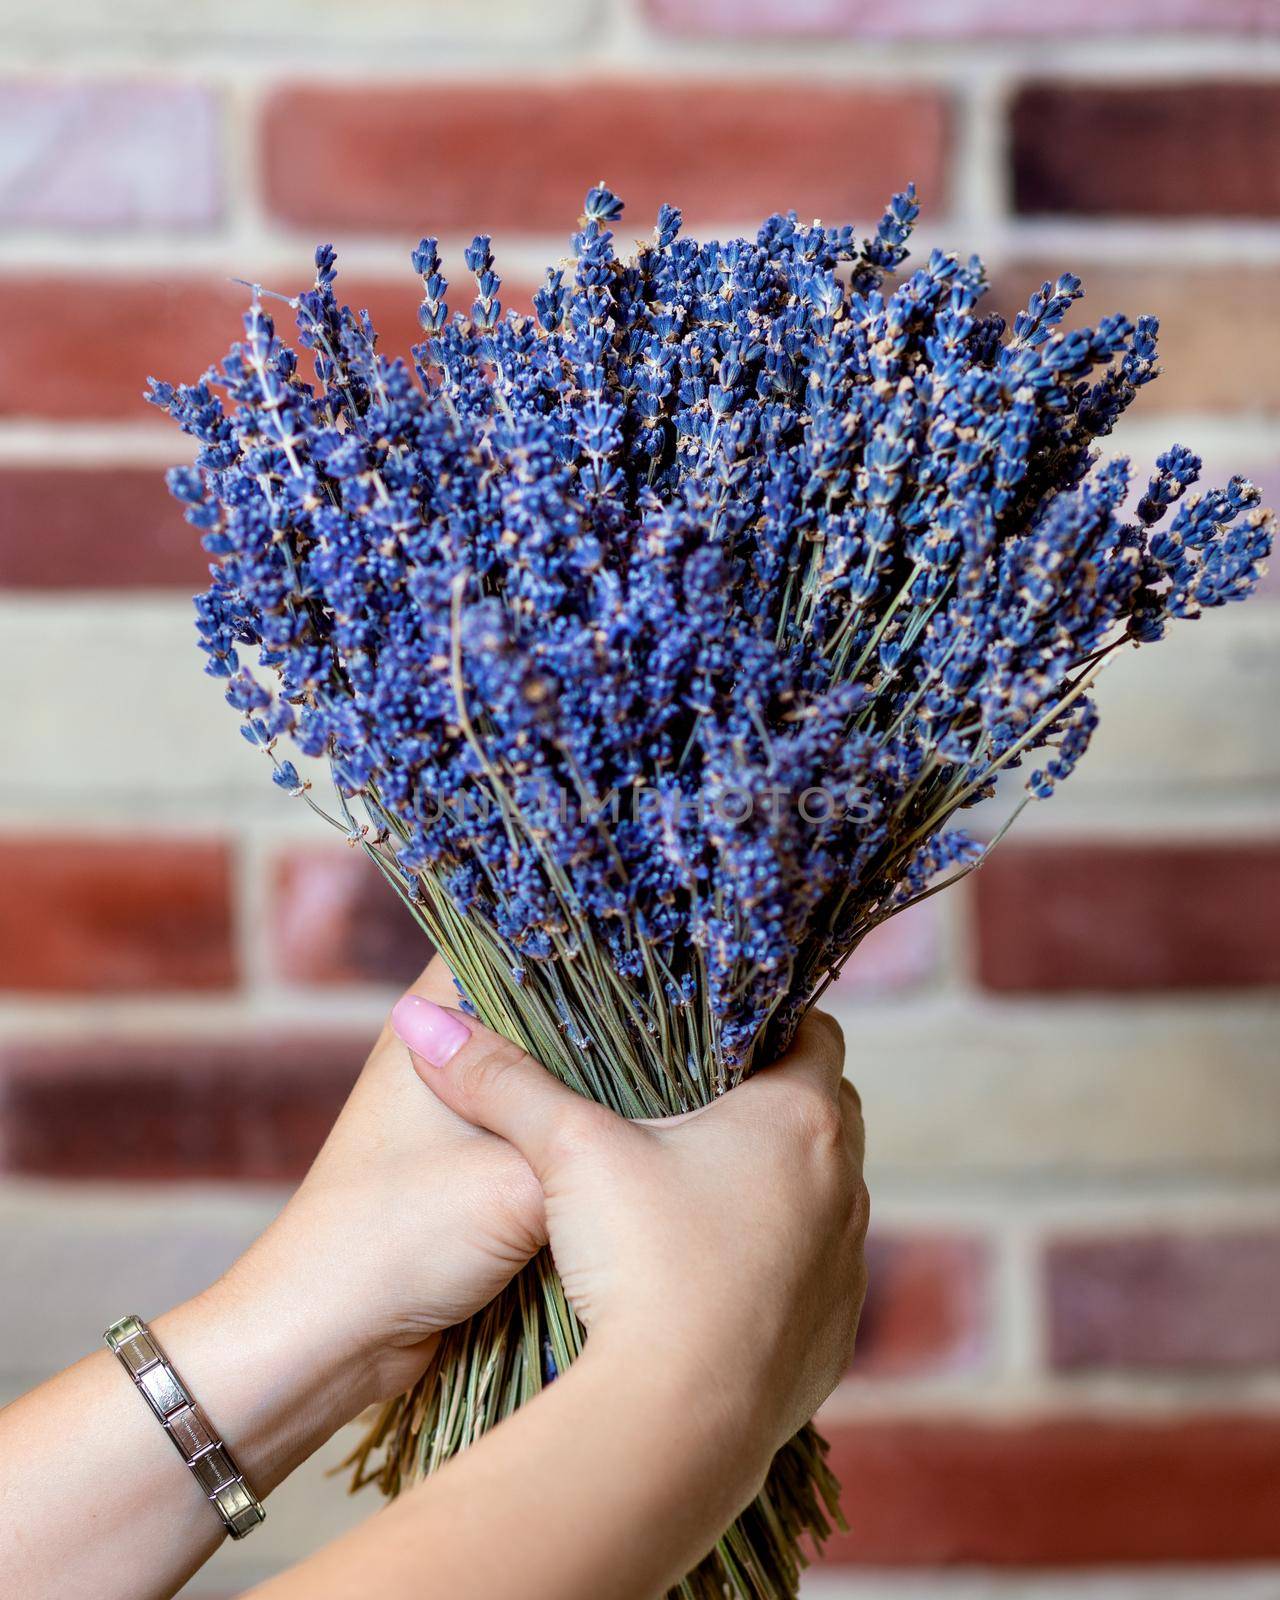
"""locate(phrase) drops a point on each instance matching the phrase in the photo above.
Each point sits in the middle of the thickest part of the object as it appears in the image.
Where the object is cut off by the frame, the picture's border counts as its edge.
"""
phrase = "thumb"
(486, 1079)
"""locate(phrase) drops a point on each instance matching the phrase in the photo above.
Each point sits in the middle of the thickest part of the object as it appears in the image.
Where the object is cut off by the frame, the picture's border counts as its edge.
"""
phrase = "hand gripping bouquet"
(653, 641)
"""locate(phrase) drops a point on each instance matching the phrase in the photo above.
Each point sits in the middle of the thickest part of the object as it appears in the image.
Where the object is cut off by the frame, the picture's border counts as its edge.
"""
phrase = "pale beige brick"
(110, 716)
(961, 1088)
(1200, 707)
(296, 32)
(76, 1260)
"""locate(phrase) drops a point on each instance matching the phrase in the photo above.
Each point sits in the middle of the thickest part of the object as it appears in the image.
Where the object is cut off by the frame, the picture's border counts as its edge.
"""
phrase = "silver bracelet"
(186, 1424)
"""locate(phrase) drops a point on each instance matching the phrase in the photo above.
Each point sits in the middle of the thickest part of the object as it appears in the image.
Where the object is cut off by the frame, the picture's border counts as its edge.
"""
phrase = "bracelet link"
(190, 1431)
(239, 1508)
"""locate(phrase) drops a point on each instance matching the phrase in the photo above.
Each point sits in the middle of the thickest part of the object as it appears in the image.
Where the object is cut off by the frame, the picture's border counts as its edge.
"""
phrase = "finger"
(486, 1079)
(434, 982)
(814, 1063)
(819, 1044)
(855, 1129)
(815, 1060)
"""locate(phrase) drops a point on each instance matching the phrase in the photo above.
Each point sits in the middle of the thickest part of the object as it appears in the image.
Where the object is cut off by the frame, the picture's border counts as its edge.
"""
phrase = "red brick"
(493, 157)
(901, 954)
(1061, 1492)
(1121, 917)
(109, 154)
(189, 1107)
(948, 19)
(928, 1306)
(1161, 1300)
(335, 919)
(1149, 150)
(72, 527)
(1219, 337)
(80, 348)
(115, 916)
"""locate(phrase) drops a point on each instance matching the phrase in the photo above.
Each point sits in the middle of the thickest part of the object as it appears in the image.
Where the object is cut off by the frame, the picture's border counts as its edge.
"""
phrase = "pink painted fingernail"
(428, 1029)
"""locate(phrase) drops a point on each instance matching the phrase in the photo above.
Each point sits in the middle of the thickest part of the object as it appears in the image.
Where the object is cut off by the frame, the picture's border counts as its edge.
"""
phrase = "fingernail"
(428, 1029)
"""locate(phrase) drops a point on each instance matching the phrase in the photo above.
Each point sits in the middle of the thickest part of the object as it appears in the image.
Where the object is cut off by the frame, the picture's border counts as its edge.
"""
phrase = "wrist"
(689, 1391)
(259, 1363)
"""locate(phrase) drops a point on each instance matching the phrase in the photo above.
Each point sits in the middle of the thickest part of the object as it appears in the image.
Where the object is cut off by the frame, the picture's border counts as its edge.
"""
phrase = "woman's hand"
(726, 1243)
(717, 1260)
(409, 1220)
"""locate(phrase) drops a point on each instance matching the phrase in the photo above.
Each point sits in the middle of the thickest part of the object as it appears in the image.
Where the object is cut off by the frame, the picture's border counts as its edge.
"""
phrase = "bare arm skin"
(409, 1220)
(716, 1259)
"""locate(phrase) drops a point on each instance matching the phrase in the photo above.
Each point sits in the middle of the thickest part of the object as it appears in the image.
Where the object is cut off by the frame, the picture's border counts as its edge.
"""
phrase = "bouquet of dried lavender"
(653, 641)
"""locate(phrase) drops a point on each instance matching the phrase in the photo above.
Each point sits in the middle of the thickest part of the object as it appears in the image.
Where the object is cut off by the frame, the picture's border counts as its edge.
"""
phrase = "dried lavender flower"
(655, 641)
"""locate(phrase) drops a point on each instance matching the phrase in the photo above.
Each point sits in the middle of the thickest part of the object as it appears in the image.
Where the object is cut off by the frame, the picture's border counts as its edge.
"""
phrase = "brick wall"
(1069, 1378)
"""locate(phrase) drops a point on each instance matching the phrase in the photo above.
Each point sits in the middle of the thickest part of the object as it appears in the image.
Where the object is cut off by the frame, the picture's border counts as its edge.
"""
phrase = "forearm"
(95, 1501)
(611, 1485)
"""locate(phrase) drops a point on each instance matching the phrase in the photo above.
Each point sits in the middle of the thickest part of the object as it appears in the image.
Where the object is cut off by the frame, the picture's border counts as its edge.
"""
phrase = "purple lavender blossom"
(731, 518)
(654, 641)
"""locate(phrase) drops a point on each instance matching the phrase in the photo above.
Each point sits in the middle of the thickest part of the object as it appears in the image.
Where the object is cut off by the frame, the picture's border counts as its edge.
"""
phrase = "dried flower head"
(718, 520)
(654, 640)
